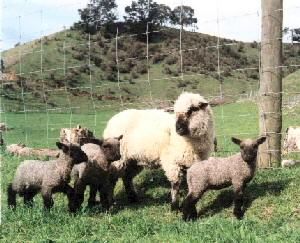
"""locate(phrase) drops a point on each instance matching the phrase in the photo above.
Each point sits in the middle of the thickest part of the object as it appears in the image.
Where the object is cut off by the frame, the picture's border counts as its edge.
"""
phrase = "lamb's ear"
(203, 105)
(236, 140)
(62, 146)
(120, 137)
(96, 141)
(261, 140)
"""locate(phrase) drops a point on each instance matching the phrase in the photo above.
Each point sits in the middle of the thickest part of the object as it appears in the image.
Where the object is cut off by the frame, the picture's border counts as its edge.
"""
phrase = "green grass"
(272, 198)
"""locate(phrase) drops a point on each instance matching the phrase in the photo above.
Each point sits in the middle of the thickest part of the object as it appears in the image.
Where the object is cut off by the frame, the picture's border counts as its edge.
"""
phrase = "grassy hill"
(55, 73)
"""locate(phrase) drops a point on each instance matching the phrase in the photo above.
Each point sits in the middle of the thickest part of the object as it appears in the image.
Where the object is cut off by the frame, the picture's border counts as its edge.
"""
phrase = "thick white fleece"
(151, 139)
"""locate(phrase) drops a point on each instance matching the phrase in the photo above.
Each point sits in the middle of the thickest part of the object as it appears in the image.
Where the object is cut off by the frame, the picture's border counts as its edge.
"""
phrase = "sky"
(26, 20)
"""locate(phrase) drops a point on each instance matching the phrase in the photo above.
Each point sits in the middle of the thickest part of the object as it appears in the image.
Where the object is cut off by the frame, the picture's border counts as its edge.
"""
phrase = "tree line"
(100, 14)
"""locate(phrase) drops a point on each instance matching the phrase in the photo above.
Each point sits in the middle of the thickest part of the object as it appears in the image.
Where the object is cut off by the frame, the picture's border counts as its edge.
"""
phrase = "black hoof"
(239, 214)
(175, 206)
(93, 204)
(189, 216)
(133, 198)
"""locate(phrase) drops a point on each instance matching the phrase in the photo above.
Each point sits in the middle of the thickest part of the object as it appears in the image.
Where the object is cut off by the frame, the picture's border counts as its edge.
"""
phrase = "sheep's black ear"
(62, 146)
(236, 140)
(120, 137)
(261, 140)
(203, 105)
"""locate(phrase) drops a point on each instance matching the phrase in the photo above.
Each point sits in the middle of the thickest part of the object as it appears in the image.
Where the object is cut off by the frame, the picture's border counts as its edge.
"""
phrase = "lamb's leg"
(131, 171)
(70, 192)
(79, 189)
(11, 197)
(189, 206)
(106, 195)
(238, 201)
(92, 198)
(47, 197)
(28, 198)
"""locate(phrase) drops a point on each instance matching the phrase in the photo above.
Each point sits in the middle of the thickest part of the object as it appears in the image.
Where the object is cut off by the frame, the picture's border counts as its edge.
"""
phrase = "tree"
(2, 66)
(295, 34)
(96, 14)
(144, 12)
(183, 16)
(162, 14)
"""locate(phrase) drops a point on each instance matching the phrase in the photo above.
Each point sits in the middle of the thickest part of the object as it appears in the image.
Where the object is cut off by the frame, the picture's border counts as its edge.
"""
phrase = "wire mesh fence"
(68, 77)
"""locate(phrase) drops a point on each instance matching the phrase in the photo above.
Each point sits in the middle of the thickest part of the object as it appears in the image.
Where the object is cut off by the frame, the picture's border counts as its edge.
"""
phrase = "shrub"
(157, 58)
(170, 60)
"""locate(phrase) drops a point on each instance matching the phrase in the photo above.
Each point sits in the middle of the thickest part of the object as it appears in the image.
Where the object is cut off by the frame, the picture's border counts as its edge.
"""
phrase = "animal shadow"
(253, 191)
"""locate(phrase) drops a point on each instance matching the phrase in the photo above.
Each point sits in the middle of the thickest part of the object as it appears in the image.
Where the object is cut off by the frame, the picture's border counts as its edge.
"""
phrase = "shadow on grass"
(253, 191)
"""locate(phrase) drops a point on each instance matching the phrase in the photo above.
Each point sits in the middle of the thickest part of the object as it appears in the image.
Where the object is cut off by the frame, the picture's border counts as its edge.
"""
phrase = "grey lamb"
(218, 173)
(96, 172)
(47, 177)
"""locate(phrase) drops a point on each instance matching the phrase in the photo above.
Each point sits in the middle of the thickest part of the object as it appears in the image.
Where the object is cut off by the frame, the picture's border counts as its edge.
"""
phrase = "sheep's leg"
(174, 175)
(131, 171)
(28, 198)
(11, 197)
(189, 206)
(92, 198)
(238, 201)
(47, 198)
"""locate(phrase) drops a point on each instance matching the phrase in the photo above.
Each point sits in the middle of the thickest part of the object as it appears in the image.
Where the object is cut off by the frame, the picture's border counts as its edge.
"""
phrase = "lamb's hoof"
(93, 204)
(133, 198)
(175, 206)
(189, 216)
(239, 214)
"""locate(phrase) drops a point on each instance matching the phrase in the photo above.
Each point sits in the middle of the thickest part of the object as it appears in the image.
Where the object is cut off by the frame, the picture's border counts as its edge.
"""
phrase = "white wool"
(151, 139)
(186, 100)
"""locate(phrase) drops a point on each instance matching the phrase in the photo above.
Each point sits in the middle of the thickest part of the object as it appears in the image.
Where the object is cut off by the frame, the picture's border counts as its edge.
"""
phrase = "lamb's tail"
(11, 196)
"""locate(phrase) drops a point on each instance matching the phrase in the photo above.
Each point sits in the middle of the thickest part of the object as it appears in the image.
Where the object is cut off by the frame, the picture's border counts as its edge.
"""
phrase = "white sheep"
(154, 138)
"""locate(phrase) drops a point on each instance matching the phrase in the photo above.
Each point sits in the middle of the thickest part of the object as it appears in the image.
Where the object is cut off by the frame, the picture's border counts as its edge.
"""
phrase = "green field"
(272, 198)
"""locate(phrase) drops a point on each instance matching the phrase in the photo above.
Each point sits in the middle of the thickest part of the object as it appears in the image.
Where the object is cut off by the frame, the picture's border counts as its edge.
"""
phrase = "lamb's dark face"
(191, 121)
(249, 147)
(74, 151)
(111, 148)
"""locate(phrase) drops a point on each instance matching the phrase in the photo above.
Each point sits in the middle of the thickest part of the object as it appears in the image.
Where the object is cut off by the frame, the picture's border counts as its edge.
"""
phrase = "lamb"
(75, 135)
(95, 172)
(218, 173)
(47, 177)
(154, 138)
(21, 150)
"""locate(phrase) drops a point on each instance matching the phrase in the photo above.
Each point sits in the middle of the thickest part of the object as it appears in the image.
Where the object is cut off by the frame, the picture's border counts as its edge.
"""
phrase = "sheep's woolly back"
(22, 150)
(151, 139)
(186, 100)
(127, 120)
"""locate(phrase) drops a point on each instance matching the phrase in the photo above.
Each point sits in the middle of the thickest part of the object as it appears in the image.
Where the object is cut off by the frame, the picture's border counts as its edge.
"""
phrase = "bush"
(170, 60)
(134, 75)
(141, 68)
(157, 58)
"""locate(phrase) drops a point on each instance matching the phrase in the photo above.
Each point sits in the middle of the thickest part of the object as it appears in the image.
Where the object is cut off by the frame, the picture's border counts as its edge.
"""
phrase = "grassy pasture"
(272, 198)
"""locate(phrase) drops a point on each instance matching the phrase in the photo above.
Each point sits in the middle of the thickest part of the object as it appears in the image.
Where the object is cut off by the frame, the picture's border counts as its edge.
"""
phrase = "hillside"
(56, 73)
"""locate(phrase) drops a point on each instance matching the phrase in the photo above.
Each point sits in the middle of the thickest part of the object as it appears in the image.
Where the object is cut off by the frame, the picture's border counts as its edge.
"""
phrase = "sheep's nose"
(181, 128)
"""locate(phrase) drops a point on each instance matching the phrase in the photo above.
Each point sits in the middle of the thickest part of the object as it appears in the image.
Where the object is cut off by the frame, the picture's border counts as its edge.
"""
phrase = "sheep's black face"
(111, 148)
(182, 125)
